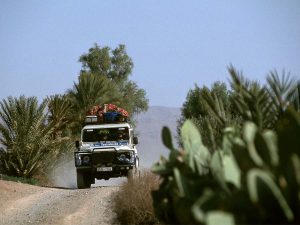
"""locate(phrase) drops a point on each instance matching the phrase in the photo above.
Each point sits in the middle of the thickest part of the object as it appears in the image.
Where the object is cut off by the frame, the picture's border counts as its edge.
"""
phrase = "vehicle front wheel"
(83, 180)
(130, 173)
(134, 172)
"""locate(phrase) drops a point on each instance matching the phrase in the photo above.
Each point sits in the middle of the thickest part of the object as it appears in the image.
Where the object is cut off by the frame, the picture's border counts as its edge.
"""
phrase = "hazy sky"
(173, 44)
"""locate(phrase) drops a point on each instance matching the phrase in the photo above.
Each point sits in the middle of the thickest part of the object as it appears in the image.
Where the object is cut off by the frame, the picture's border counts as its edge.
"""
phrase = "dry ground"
(27, 204)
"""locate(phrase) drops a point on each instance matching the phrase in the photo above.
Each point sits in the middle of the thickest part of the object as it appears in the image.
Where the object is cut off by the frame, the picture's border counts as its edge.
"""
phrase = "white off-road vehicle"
(105, 150)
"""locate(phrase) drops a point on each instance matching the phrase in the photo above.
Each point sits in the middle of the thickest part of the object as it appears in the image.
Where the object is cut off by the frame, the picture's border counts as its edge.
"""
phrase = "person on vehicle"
(103, 137)
(120, 136)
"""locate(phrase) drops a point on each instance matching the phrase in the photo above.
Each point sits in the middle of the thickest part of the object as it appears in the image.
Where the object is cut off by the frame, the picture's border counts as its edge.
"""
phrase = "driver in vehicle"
(103, 137)
(120, 136)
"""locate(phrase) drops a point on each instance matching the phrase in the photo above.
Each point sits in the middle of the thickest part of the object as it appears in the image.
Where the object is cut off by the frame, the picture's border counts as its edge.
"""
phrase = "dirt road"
(27, 204)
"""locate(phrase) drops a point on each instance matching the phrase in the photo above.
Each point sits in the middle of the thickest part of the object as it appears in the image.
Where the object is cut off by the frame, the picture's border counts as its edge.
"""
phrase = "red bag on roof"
(94, 110)
(111, 108)
(99, 110)
(123, 112)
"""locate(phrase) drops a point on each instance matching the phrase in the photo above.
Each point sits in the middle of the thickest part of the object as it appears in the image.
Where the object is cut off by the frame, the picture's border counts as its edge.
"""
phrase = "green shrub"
(133, 202)
(32, 181)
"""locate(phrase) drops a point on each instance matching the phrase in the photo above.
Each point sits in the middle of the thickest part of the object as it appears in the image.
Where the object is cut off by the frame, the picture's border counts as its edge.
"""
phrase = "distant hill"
(149, 126)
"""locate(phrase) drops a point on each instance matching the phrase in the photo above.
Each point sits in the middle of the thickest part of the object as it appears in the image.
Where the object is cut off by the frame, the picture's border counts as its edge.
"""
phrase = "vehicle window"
(107, 134)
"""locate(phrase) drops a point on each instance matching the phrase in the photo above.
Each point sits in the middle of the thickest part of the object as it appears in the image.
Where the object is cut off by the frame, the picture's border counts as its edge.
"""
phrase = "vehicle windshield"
(105, 134)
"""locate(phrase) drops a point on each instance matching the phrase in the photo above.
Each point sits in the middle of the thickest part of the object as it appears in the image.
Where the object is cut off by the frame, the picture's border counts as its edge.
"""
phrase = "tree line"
(213, 109)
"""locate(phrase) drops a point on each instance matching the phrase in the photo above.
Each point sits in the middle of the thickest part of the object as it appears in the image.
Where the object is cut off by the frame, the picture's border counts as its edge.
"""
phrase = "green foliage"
(59, 108)
(263, 105)
(214, 109)
(252, 100)
(27, 138)
(281, 90)
(133, 98)
(244, 177)
(254, 178)
(179, 187)
(20, 179)
(115, 66)
(90, 90)
(211, 111)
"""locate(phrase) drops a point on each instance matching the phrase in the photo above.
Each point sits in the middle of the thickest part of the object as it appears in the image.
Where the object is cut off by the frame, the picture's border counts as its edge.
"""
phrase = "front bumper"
(103, 164)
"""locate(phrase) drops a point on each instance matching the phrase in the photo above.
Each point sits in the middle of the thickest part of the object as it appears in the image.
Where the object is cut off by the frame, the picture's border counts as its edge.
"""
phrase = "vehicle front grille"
(103, 156)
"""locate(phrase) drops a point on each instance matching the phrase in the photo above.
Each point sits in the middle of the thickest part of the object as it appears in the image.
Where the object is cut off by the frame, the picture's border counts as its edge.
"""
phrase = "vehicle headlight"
(86, 159)
(126, 157)
(122, 157)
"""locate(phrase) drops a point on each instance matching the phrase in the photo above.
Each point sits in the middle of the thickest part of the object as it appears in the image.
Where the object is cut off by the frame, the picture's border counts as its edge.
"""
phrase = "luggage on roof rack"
(108, 113)
(108, 118)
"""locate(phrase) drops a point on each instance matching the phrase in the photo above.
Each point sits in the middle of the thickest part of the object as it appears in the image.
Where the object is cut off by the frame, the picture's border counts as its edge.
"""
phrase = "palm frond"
(281, 90)
(252, 101)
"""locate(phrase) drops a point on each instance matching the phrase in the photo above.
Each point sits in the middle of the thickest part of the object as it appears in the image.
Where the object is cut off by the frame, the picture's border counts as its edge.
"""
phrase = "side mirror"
(77, 144)
(135, 140)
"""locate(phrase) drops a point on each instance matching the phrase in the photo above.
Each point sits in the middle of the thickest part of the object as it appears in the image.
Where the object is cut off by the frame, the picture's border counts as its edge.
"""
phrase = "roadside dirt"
(27, 204)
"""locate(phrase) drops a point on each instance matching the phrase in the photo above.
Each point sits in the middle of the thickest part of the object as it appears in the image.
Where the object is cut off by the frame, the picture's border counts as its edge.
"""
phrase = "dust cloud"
(64, 172)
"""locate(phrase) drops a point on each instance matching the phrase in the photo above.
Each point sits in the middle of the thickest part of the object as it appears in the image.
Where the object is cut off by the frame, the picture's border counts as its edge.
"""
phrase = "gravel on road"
(28, 204)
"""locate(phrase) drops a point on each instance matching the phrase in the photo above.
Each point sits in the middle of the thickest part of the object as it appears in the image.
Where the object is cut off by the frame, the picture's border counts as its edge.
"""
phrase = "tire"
(134, 172)
(137, 163)
(130, 173)
(83, 180)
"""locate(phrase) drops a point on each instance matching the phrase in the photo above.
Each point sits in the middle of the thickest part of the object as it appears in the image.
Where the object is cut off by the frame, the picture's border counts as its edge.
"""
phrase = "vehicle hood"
(118, 145)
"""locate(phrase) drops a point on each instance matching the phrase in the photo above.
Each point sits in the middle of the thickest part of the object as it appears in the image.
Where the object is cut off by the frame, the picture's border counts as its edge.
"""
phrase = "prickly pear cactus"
(254, 178)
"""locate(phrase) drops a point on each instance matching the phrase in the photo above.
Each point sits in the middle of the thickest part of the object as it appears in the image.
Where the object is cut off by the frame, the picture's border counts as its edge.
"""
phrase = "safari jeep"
(105, 151)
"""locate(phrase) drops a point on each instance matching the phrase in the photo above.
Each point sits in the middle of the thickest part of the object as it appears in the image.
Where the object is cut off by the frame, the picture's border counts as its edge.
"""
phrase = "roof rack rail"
(105, 119)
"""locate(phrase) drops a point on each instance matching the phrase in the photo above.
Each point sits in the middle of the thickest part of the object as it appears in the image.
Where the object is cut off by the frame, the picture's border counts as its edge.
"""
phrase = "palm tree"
(264, 104)
(26, 137)
(283, 91)
(296, 97)
(90, 90)
(252, 100)
(59, 108)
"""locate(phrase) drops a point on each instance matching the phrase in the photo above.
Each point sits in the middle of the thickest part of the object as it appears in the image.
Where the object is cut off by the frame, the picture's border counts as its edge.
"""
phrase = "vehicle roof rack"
(105, 120)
